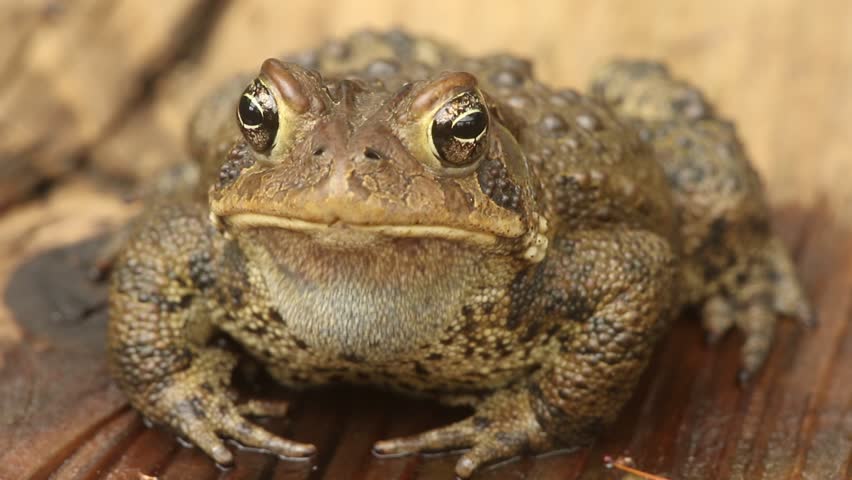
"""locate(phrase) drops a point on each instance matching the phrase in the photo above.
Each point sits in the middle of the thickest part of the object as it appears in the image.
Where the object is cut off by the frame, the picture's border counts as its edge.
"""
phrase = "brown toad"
(386, 211)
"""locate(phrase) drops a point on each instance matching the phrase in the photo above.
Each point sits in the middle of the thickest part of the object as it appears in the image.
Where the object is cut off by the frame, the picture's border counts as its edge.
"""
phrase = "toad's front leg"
(170, 287)
(626, 278)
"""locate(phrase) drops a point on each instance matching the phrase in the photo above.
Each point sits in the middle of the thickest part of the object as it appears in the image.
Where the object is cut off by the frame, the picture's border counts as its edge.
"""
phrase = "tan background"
(113, 82)
(94, 96)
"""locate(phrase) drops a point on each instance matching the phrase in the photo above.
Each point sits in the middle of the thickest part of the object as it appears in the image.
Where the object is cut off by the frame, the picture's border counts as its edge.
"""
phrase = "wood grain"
(94, 97)
(62, 418)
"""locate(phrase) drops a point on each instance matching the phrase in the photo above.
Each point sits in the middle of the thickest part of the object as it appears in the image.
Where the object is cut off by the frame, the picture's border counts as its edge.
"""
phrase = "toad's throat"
(249, 220)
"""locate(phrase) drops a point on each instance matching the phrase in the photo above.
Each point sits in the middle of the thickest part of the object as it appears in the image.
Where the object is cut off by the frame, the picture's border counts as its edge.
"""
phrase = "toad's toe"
(251, 435)
(458, 435)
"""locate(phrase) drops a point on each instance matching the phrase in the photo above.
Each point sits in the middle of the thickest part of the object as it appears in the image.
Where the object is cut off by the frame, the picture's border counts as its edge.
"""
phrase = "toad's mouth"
(339, 227)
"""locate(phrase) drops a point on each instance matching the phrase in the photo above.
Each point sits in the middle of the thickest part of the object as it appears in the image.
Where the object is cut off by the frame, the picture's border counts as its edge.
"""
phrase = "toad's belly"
(355, 318)
(398, 316)
(378, 337)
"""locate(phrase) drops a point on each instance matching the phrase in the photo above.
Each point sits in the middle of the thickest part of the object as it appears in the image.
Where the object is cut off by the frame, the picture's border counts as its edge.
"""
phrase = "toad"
(386, 211)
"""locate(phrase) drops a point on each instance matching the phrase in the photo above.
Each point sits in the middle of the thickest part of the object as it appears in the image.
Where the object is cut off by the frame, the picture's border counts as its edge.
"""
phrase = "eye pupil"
(250, 115)
(469, 126)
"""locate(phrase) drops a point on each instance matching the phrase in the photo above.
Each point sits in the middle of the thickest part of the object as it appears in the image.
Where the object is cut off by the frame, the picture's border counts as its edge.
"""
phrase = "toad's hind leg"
(732, 263)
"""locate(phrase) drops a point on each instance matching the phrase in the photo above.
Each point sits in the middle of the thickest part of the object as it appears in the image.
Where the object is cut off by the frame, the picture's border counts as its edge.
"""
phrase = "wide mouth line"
(243, 220)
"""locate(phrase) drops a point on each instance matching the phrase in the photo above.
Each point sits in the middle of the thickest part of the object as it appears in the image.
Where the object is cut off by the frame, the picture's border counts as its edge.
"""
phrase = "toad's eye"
(257, 114)
(458, 132)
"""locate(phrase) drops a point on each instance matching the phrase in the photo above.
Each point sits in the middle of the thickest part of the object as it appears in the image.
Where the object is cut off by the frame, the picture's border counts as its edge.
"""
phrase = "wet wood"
(94, 96)
(62, 418)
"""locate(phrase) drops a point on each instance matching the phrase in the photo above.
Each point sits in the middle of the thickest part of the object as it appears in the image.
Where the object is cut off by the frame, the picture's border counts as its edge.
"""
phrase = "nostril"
(319, 151)
(372, 154)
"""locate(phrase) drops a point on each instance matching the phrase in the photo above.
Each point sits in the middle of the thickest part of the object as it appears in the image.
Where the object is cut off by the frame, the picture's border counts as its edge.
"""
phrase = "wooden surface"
(94, 95)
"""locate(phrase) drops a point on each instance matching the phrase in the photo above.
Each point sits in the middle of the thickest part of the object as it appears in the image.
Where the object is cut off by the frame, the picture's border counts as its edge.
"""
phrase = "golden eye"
(257, 115)
(458, 132)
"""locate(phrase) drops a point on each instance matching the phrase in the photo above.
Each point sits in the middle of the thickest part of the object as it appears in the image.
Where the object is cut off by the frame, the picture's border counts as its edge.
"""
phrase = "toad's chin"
(343, 233)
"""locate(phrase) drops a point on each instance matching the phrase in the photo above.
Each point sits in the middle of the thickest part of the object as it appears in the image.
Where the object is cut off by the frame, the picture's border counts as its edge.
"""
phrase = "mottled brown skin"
(527, 272)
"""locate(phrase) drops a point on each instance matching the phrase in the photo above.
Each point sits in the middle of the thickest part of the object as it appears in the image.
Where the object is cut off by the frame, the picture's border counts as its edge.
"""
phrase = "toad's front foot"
(198, 404)
(503, 426)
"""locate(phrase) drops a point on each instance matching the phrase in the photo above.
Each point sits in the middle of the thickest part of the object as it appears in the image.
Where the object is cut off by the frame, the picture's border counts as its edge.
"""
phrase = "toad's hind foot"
(198, 404)
(752, 299)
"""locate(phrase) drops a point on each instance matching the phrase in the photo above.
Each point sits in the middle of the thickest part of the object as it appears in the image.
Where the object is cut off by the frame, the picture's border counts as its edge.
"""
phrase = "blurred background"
(107, 86)
(94, 101)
